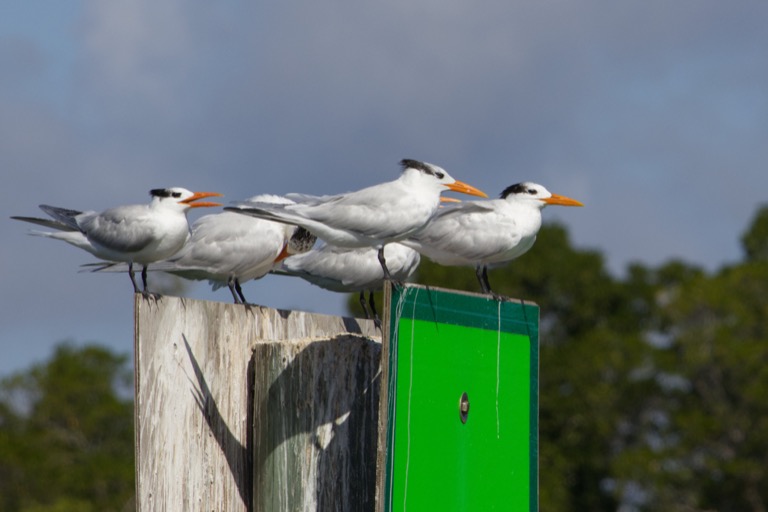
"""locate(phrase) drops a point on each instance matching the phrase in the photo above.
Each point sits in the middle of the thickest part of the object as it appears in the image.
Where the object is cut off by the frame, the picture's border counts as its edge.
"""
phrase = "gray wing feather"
(48, 223)
(63, 215)
(111, 230)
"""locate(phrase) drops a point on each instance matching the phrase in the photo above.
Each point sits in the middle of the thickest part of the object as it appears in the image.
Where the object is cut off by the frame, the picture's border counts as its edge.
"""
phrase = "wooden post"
(244, 408)
(200, 369)
(315, 420)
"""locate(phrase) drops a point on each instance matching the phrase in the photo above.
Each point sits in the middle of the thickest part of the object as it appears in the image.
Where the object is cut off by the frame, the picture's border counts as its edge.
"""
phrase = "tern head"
(432, 174)
(180, 198)
(536, 194)
(299, 242)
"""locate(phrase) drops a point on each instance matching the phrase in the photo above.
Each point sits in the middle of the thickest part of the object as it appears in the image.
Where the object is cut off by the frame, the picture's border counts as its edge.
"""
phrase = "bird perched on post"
(370, 217)
(228, 249)
(141, 233)
(351, 270)
(487, 233)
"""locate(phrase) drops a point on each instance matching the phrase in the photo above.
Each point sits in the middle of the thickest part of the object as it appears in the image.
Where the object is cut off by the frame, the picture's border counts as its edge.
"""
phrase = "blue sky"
(654, 114)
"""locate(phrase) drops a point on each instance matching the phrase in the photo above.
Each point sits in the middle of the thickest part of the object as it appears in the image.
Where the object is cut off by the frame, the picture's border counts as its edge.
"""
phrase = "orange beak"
(201, 195)
(283, 254)
(562, 200)
(449, 200)
(460, 186)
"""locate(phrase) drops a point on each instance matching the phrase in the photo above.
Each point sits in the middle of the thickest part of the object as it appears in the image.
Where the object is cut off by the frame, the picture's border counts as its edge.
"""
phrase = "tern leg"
(146, 293)
(372, 303)
(231, 285)
(364, 305)
(383, 263)
(486, 284)
(239, 291)
(481, 271)
(133, 277)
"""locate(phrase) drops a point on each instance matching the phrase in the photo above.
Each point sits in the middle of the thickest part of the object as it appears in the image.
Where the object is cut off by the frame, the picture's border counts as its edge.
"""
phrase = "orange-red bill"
(562, 200)
(283, 254)
(460, 186)
(449, 200)
(201, 195)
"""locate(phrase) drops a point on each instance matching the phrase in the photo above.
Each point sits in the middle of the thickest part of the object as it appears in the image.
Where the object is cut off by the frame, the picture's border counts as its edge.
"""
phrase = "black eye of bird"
(176, 194)
(439, 175)
(532, 191)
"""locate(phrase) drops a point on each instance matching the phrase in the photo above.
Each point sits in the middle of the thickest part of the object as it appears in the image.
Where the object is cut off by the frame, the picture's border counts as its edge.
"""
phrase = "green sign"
(461, 372)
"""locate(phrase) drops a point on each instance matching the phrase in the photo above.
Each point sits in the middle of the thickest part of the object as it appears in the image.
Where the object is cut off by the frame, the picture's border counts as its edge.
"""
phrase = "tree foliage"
(66, 434)
(755, 240)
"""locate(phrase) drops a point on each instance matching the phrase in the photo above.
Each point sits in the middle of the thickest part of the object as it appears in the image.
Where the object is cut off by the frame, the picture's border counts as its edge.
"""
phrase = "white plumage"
(140, 234)
(345, 270)
(371, 217)
(228, 249)
(487, 233)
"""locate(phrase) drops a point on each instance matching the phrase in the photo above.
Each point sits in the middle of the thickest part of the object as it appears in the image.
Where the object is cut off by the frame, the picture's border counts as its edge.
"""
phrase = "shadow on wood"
(315, 421)
(238, 456)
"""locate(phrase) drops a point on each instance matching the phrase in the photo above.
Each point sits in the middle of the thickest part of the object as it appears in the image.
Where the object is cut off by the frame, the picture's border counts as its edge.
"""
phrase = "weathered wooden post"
(315, 421)
(254, 409)
(200, 367)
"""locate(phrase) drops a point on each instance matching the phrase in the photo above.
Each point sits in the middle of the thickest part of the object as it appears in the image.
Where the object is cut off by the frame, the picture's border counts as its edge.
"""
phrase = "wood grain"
(207, 371)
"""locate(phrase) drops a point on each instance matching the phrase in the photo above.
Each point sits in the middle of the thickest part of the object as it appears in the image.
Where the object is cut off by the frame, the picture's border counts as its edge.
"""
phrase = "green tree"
(66, 434)
(755, 240)
(709, 448)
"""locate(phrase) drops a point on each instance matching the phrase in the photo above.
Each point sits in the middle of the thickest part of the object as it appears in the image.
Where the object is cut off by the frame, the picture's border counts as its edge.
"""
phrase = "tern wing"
(63, 215)
(126, 228)
(467, 236)
(230, 243)
(328, 267)
(384, 211)
(464, 208)
(48, 223)
(308, 198)
(104, 266)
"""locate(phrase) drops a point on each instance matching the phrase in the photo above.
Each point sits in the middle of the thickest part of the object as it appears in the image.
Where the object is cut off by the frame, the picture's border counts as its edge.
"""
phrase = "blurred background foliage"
(653, 390)
(66, 434)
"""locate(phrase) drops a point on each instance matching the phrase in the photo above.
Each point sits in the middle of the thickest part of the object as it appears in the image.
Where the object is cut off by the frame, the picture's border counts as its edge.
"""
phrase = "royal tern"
(345, 270)
(228, 249)
(141, 233)
(370, 217)
(487, 233)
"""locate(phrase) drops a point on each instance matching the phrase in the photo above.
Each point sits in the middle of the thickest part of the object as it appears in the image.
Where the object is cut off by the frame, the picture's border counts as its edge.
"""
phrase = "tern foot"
(150, 296)
(250, 308)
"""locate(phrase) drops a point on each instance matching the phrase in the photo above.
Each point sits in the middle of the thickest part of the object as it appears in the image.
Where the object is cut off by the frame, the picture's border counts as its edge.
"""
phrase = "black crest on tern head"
(164, 192)
(424, 167)
(518, 188)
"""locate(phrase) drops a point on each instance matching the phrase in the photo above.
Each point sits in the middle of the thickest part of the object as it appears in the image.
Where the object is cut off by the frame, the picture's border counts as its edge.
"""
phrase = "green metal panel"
(444, 344)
